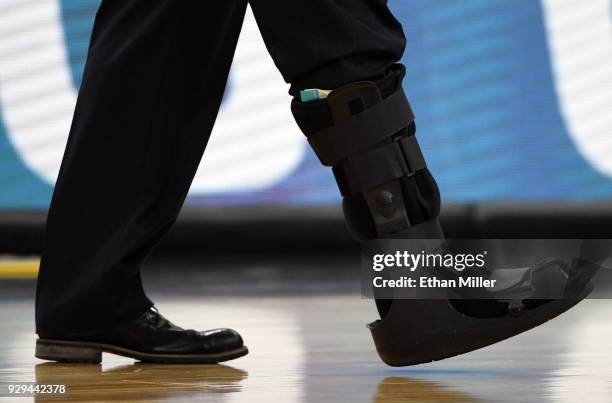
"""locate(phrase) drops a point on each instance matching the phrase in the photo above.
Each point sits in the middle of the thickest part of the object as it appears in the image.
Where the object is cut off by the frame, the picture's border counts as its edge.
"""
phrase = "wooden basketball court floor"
(310, 344)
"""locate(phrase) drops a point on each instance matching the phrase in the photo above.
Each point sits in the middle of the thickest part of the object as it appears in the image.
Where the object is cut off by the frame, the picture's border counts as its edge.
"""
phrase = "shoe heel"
(65, 351)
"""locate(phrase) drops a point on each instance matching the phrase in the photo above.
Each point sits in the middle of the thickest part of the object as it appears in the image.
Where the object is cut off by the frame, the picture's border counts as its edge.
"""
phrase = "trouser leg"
(328, 43)
(152, 86)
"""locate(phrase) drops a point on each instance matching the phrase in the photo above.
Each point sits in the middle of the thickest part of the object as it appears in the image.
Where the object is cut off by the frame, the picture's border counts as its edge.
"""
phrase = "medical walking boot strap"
(370, 152)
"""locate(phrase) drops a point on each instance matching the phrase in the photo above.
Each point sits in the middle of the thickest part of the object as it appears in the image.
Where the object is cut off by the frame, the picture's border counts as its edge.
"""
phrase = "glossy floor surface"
(309, 344)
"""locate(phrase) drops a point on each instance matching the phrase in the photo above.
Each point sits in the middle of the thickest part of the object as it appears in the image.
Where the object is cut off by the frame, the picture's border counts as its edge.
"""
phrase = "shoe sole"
(87, 352)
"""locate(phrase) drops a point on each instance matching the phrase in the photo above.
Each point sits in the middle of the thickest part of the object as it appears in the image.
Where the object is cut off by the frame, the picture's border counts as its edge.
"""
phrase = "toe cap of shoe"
(220, 340)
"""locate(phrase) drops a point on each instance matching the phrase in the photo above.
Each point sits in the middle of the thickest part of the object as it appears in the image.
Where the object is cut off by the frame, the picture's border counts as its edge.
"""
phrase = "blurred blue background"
(499, 113)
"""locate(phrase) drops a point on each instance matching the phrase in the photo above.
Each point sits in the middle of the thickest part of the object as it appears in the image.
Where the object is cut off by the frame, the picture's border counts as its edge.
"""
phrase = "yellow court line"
(19, 269)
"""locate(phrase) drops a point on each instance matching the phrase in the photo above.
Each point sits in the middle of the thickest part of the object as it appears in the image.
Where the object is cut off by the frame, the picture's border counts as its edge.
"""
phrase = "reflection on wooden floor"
(139, 382)
(152, 382)
(317, 349)
(398, 389)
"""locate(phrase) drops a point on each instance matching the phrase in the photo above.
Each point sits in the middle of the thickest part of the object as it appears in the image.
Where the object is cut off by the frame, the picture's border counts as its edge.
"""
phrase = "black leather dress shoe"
(150, 338)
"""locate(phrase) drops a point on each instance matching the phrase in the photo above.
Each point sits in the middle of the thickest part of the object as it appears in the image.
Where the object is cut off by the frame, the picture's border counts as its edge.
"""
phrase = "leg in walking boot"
(368, 138)
(364, 130)
(146, 107)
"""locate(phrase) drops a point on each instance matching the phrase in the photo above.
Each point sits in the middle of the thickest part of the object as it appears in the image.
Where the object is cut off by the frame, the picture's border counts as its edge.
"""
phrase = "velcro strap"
(363, 130)
(380, 165)
(412, 152)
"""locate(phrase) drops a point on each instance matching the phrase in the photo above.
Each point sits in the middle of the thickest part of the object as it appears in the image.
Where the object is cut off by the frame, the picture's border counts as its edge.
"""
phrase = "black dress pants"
(152, 86)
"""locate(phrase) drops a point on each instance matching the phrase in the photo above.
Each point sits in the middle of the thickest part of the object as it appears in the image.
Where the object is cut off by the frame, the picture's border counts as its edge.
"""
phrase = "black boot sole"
(401, 339)
(87, 352)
